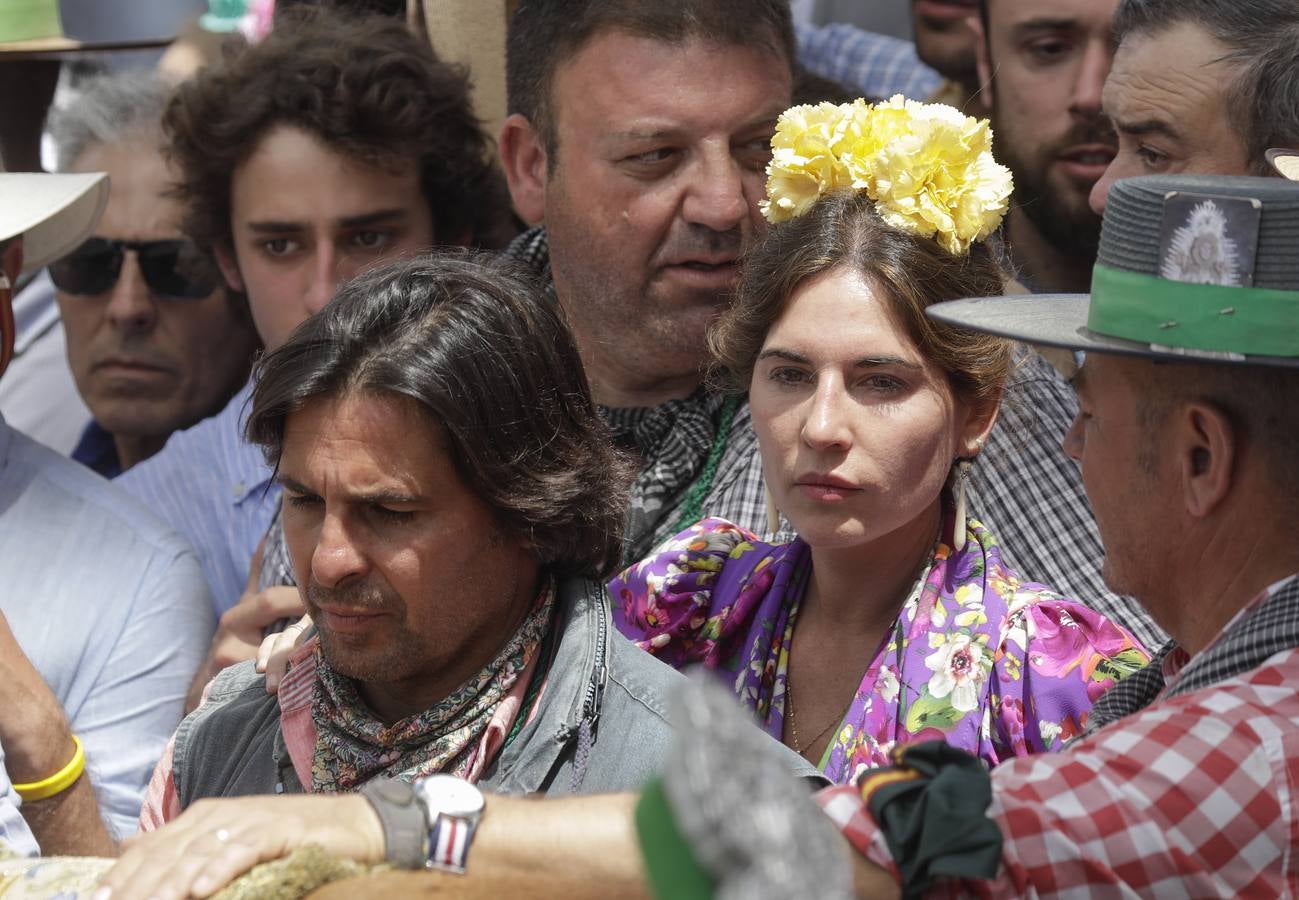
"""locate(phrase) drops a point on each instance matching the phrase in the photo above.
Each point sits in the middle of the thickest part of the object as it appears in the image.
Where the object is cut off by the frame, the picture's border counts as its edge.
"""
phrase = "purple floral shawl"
(978, 657)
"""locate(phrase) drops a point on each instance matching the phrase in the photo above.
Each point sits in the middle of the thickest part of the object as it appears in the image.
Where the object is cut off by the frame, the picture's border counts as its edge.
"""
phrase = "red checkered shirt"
(1197, 795)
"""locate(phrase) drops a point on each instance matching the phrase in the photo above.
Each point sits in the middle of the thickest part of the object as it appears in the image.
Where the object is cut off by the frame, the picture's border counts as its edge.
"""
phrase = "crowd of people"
(367, 477)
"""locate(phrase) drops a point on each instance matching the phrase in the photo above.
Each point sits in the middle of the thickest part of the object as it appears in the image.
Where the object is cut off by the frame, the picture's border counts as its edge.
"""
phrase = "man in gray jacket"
(452, 506)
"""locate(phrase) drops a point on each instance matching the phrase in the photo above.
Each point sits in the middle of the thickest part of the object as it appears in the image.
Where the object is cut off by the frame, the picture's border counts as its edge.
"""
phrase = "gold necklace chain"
(798, 745)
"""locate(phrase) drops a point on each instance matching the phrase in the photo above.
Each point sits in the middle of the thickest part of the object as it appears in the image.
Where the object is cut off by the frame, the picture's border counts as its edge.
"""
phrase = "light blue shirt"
(109, 605)
(15, 836)
(876, 64)
(215, 490)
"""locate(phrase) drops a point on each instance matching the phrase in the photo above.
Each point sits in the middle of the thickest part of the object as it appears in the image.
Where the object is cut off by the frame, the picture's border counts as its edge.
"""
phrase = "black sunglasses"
(174, 269)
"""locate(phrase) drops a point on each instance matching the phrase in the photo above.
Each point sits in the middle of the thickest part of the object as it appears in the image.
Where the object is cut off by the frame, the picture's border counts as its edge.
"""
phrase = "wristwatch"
(452, 808)
(429, 824)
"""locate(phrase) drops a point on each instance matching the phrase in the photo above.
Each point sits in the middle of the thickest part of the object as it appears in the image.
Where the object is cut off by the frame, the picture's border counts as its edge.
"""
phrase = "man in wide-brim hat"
(108, 605)
(40, 397)
(1183, 781)
(43, 217)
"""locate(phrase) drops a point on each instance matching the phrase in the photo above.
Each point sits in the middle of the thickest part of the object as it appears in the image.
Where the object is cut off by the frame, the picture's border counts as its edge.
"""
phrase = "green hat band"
(29, 20)
(1206, 317)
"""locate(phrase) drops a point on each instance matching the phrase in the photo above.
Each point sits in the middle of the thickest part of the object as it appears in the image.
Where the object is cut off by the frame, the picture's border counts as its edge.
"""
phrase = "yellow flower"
(804, 159)
(940, 180)
(885, 123)
(928, 167)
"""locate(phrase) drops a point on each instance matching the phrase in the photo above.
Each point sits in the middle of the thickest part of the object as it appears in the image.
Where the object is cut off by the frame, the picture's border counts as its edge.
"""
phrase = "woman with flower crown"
(892, 617)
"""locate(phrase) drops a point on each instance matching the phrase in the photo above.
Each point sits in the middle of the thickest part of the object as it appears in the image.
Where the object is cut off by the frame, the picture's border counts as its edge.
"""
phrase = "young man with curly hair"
(337, 142)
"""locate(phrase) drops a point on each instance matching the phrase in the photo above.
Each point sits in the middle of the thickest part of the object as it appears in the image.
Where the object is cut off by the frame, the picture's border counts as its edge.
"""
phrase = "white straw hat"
(53, 213)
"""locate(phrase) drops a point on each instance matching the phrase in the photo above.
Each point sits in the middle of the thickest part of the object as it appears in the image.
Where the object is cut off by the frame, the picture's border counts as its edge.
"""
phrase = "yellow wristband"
(60, 781)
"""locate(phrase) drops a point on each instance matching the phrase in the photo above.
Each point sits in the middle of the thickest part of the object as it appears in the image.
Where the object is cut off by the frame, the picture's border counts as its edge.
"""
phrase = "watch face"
(451, 796)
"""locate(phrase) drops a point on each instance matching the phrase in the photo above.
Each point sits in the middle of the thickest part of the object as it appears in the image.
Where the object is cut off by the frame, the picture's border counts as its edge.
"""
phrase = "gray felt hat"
(1203, 267)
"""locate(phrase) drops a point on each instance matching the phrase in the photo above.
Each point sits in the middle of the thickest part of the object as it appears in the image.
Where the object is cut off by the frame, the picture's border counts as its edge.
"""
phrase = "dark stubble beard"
(1074, 231)
(1064, 219)
(390, 664)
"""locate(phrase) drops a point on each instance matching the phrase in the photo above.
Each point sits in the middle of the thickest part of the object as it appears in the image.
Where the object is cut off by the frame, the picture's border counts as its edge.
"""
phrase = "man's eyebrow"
(1143, 127)
(764, 123)
(767, 122)
(633, 135)
(389, 498)
(290, 484)
(788, 355)
(865, 362)
(1043, 24)
(276, 227)
(371, 218)
(280, 226)
(379, 498)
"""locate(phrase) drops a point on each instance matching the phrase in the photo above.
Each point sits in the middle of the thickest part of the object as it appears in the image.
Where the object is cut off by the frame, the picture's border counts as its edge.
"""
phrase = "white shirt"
(109, 605)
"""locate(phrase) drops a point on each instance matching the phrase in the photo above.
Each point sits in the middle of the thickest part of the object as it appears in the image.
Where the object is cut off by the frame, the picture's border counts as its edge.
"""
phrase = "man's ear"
(229, 267)
(982, 60)
(523, 154)
(1208, 454)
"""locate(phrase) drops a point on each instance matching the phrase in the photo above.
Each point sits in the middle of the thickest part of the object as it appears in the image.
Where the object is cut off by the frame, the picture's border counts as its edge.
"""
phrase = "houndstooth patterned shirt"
(1186, 793)
(674, 441)
(1023, 487)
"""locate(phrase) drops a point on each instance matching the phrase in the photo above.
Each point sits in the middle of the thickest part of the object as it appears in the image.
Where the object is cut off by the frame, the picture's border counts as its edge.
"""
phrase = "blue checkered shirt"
(876, 64)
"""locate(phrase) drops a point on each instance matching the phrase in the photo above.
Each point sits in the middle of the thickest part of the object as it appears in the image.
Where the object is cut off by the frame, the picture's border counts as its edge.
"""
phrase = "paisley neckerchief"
(353, 746)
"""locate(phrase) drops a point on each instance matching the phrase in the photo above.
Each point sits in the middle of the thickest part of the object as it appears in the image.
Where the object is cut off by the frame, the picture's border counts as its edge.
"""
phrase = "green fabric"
(28, 20)
(1141, 308)
(674, 873)
(936, 822)
(692, 508)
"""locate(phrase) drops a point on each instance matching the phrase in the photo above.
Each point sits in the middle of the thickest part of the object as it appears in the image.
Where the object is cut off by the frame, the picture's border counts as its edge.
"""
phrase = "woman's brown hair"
(843, 231)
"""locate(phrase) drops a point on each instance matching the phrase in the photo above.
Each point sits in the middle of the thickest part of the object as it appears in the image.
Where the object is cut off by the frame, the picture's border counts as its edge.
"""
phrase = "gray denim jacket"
(600, 724)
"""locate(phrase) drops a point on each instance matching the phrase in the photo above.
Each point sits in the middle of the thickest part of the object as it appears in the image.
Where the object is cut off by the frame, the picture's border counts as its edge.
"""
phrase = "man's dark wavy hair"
(472, 340)
(365, 87)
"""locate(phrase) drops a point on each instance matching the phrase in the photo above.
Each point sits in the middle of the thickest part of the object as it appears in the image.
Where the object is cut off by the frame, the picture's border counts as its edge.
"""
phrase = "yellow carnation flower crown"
(928, 167)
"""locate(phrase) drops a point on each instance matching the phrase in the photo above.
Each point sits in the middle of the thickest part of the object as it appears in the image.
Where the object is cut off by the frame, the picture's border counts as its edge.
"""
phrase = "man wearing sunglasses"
(154, 340)
(107, 604)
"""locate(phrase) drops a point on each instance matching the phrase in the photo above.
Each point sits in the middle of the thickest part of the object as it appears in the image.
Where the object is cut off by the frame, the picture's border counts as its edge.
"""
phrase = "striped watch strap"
(448, 844)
